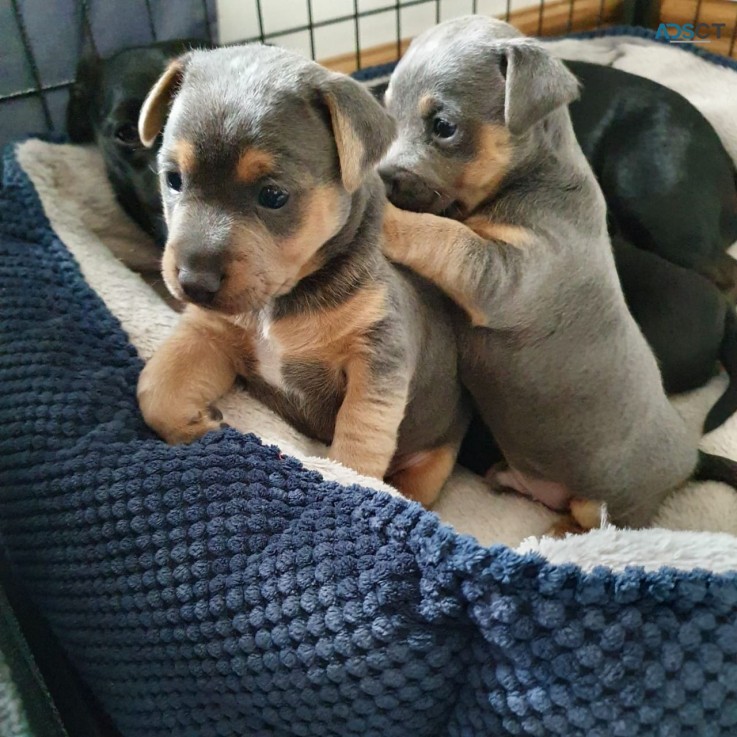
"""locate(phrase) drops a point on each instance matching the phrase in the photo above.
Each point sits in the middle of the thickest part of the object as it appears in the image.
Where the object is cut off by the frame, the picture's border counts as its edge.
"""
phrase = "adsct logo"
(690, 33)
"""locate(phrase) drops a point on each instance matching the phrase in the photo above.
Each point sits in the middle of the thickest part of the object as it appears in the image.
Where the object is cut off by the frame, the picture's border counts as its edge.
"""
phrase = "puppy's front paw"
(175, 419)
(395, 240)
(177, 424)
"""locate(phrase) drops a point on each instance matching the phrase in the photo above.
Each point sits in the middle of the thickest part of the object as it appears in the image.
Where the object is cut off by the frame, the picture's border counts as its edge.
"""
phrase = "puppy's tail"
(715, 468)
(726, 405)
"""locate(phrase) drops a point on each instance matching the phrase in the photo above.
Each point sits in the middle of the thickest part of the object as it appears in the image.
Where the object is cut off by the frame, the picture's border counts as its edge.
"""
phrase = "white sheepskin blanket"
(80, 205)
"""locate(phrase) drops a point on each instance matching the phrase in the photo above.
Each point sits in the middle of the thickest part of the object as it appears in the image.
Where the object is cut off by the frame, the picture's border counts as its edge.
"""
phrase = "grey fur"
(559, 370)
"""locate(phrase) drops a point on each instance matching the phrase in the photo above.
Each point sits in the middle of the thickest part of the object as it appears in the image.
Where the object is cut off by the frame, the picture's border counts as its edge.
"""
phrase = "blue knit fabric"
(222, 590)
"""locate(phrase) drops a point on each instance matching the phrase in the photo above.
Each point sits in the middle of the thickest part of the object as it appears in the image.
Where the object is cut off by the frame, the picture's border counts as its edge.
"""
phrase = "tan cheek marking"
(331, 335)
(253, 164)
(481, 177)
(512, 235)
(184, 154)
(321, 222)
(169, 272)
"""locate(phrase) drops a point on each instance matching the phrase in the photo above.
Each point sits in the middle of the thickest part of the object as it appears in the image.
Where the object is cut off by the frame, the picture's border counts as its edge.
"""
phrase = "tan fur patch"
(169, 272)
(426, 105)
(458, 288)
(184, 154)
(156, 105)
(424, 479)
(253, 164)
(512, 235)
(350, 148)
(367, 424)
(481, 177)
(407, 239)
(331, 336)
(587, 513)
(322, 221)
(194, 367)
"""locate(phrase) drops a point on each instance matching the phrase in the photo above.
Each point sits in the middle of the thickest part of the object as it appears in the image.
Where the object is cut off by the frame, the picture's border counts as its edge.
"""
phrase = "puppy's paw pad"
(214, 413)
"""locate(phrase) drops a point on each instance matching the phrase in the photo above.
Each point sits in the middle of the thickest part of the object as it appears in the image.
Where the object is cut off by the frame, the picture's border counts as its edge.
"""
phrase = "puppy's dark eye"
(273, 197)
(127, 134)
(174, 180)
(443, 128)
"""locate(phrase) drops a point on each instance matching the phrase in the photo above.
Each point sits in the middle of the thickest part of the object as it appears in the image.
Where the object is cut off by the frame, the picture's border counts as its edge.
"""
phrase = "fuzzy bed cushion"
(243, 585)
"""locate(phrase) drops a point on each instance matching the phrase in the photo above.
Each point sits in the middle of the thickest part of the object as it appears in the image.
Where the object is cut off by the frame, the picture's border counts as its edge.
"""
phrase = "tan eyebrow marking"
(253, 164)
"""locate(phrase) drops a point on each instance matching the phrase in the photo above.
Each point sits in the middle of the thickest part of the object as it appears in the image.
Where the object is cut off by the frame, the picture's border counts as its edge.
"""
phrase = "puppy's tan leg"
(178, 386)
(474, 270)
(587, 513)
(584, 515)
(367, 424)
(425, 478)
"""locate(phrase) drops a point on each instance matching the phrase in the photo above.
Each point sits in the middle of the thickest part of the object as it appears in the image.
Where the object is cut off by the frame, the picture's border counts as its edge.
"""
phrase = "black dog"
(103, 108)
(668, 182)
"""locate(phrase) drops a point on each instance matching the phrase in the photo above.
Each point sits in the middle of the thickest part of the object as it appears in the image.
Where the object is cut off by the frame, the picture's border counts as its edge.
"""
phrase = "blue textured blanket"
(221, 590)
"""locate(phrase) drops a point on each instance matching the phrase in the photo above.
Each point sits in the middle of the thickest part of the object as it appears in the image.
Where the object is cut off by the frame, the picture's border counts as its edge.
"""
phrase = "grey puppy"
(559, 370)
(274, 211)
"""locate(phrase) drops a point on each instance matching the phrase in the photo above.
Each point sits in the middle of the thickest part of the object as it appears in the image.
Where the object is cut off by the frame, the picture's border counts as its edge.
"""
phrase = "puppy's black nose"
(200, 286)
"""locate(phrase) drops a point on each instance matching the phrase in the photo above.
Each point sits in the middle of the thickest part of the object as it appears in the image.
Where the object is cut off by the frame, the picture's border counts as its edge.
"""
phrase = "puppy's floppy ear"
(363, 130)
(155, 107)
(536, 84)
(81, 100)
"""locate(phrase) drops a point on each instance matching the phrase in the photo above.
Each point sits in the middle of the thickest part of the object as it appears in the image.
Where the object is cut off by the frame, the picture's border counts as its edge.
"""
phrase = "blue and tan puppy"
(558, 368)
(274, 212)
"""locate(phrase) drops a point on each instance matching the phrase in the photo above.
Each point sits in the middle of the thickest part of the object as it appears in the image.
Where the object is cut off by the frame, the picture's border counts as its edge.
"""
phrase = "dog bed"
(243, 585)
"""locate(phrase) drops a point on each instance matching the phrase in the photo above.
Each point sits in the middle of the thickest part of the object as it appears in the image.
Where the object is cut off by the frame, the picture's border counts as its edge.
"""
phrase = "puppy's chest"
(298, 358)
(298, 373)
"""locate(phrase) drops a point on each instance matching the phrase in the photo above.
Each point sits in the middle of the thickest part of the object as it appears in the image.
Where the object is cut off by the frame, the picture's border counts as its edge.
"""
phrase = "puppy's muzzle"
(409, 191)
(200, 286)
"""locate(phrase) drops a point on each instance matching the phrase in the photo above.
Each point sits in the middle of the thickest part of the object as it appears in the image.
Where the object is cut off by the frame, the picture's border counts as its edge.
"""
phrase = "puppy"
(557, 367)
(669, 184)
(104, 104)
(686, 321)
(653, 202)
(274, 213)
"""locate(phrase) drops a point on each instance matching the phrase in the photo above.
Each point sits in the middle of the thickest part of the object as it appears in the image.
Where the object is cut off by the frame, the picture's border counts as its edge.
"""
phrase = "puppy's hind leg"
(424, 476)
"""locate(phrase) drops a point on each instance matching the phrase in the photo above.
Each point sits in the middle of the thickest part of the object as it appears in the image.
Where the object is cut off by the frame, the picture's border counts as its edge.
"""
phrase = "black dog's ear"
(363, 130)
(158, 101)
(81, 100)
(536, 84)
